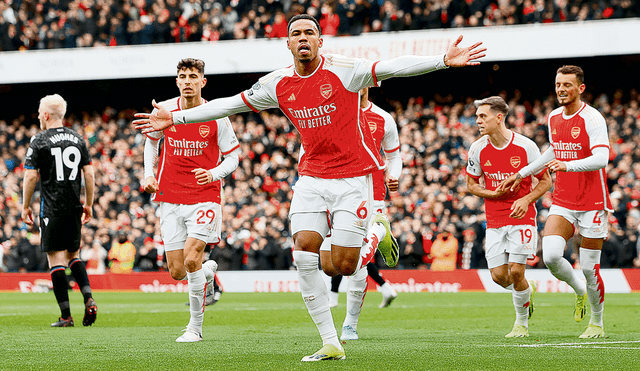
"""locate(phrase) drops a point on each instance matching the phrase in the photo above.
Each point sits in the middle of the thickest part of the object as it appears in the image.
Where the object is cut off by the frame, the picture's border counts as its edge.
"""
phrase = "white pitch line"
(573, 344)
(598, 347)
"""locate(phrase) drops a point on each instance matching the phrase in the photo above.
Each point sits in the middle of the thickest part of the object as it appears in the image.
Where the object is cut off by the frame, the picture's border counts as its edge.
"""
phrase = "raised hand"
(158, 120)
(460, 57)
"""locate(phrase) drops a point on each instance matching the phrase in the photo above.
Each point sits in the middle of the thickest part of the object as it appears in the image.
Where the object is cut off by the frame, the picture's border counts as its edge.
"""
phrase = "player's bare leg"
(590, 252)
(175, 264)
(557, 231)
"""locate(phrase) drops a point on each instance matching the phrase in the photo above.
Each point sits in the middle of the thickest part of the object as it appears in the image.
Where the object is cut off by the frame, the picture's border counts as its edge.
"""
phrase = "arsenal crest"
(326, 90)
(575, 131)
(515, 161)
(373, 126)
(204, 131)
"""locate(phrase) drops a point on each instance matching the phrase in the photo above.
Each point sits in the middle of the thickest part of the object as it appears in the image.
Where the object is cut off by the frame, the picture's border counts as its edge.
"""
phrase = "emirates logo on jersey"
(204, 131)
(326, 90)
(372, 126)
(515, 161)
(575, 131)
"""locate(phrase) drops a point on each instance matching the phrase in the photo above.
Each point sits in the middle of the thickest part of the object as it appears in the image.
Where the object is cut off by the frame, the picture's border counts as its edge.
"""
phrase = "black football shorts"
(60, 233)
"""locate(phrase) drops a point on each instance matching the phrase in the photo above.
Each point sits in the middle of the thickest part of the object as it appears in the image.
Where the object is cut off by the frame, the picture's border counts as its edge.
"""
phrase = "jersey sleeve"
(360, 75)
(391, 140)
(262, 94)
(85, 157)
(597, 129)
(31, 158)
(227, 140)
(473, 165)
(533, 154)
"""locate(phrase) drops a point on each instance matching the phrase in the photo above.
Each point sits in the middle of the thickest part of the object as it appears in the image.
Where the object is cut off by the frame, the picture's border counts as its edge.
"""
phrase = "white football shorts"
(202, 221)
(347, 202)
(510, 244)
(379, 207)
(592, 223)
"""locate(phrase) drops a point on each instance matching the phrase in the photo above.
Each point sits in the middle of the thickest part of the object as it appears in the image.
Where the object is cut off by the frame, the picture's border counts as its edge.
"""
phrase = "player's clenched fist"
(151, 185)
(203, 176)
(392, 183)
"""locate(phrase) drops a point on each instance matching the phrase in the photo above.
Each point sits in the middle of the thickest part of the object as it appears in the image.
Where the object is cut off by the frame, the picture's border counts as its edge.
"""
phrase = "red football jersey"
(385, 137)
(325, 108)
(496, 165)
(573, 137)
(185, 148)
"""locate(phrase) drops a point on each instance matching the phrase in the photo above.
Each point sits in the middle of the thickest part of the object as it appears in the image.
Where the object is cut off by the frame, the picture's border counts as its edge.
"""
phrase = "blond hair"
(55, 105)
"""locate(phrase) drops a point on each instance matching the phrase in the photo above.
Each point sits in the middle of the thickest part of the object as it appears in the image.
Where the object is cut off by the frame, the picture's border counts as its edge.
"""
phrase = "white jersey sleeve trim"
(408, 65)
(598, 160)
(213, 110)
(227, 166)
(596, 127)
(538, 165)
(150, 156)
(473, 165)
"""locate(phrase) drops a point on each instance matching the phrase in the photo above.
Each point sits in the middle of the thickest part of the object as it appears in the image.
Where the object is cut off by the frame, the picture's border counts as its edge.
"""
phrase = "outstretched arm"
(162, 119)
(460, 57)
(412, 65)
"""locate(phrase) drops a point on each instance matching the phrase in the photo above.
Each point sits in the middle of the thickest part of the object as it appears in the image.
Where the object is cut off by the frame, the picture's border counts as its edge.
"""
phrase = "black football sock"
(80, 275)
(374, 273)
(335, 283)
(60, 289)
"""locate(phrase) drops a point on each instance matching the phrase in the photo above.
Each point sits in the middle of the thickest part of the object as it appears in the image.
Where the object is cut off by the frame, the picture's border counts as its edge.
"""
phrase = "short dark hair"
(304, 16)
(495, 103)
(572, 70)
(189, 63)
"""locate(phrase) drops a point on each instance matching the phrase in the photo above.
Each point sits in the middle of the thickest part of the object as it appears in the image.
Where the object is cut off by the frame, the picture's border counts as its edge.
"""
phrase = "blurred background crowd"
(51, 24)
(437, 222)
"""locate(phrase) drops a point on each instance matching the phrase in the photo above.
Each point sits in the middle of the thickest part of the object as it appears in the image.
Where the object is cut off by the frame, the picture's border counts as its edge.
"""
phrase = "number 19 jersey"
(59, 155)
(496, 165)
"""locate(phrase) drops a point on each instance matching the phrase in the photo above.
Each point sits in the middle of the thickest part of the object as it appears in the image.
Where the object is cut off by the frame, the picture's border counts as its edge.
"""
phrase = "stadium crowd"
(51, 24)
(432, 201)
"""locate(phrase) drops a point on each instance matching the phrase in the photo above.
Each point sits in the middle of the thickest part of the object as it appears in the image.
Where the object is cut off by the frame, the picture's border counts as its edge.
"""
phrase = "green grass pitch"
(273, 331)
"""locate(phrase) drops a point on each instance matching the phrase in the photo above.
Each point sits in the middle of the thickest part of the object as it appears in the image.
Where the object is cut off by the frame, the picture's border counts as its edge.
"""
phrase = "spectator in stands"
(122, 254)
(94, 256)
(444, 250)
(147, 256)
